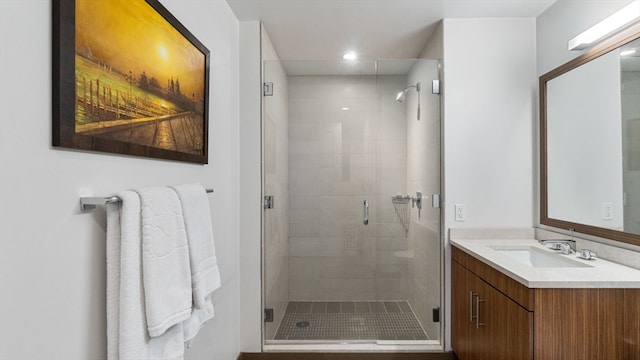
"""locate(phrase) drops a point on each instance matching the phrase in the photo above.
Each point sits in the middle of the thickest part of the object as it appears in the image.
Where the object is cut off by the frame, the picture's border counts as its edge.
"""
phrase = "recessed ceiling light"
(628, 52)
(349, 55)
(345, 108)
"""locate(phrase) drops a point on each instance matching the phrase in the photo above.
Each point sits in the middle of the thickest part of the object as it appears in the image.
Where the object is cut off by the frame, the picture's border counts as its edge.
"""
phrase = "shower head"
(403, 94)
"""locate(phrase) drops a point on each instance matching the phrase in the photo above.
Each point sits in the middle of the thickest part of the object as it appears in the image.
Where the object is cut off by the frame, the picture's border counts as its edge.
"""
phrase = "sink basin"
(539, 258)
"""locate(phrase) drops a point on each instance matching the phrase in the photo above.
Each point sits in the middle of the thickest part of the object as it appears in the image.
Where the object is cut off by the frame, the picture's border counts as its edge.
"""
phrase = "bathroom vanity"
(515, 299)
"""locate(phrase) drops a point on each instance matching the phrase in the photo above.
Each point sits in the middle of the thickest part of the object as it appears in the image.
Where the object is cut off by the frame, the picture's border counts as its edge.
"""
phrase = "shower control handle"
(365, 212)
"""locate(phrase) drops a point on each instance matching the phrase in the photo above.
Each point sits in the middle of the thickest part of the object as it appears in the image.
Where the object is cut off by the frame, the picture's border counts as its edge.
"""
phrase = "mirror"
(590, 142)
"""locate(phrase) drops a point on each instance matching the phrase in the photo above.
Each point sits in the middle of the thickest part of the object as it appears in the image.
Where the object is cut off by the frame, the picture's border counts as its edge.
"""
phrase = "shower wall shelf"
(401, 199)
(402, 209)
(90, 203)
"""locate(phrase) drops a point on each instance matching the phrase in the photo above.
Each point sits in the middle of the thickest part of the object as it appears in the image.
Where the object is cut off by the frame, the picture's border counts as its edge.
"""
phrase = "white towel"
(205, 275)
(127, 336)
(165, 260)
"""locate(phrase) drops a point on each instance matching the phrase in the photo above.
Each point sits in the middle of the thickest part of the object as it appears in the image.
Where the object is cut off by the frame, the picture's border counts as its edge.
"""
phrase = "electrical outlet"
(607, 211)
(461, 213)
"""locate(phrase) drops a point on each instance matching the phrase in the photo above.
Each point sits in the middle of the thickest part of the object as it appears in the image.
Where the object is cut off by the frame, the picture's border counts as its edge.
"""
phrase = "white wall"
(52, 257)
(489, 105)
(489, 97)
(250, 196)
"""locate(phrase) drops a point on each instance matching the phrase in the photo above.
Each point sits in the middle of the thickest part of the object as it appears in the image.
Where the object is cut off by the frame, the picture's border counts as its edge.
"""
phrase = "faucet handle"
(565, 249)
(564, 245)
(555, 246)
(587, 254)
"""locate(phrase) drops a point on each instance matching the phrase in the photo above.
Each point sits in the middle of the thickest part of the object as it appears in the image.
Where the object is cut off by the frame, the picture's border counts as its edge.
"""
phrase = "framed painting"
(128, 78)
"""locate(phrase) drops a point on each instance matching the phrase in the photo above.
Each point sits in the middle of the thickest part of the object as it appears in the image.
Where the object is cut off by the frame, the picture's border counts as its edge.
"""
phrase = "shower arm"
(416, 86)
(403, 93)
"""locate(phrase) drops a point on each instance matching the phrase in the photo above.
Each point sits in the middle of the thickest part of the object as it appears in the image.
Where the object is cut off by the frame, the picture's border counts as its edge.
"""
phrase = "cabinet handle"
(478, 323)
(471, 295)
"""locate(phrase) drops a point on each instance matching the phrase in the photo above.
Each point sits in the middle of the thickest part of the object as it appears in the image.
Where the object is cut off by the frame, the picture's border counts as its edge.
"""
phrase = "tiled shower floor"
(350, 320)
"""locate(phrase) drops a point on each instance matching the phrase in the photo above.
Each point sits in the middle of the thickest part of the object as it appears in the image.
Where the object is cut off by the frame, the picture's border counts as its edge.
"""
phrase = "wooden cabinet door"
(469, 339)
(487, 325)
(460, 311)
(508, 327)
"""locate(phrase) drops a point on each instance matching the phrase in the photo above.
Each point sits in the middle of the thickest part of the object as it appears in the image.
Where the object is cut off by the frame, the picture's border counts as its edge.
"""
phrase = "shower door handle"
(365, 212)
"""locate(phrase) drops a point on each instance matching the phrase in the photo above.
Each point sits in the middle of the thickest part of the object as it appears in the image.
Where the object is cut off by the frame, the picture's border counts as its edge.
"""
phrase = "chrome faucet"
(565, 246)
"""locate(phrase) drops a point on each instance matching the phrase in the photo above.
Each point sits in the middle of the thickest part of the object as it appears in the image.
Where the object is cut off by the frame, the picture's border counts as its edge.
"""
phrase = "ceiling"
(322, 30)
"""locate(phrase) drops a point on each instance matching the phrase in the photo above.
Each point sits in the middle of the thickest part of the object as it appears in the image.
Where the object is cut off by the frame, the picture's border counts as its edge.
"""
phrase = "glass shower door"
(275, 182)
(337, 274)
(408, 244)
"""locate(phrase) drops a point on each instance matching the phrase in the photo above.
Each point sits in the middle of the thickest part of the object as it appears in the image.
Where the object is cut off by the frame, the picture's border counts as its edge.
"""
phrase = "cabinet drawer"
(510, 287)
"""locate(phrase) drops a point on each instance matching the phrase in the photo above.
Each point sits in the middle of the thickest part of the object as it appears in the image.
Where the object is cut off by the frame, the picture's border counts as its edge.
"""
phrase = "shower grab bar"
(90, 203)
(365, 212)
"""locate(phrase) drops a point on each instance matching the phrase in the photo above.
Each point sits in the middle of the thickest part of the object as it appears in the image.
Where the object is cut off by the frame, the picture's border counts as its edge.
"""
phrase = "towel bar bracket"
(90, 203)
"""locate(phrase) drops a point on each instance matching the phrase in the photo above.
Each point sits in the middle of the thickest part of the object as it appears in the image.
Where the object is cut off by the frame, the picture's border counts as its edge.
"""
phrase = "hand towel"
(127, 336)
(165, 260)
(205, 275)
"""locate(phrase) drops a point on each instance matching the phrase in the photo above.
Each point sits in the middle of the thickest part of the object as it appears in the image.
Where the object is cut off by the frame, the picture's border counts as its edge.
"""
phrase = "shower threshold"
(350, 321)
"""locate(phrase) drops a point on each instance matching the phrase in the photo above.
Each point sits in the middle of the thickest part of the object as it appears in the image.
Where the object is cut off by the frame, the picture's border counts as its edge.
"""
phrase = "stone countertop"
(597, 273)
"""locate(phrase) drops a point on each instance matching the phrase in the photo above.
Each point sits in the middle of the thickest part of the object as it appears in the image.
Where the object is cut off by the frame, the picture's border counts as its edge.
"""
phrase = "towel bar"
(90, 203)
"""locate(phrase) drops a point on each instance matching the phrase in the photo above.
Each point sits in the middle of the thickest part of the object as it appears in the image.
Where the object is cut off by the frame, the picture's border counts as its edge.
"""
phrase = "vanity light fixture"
(349, 55)
(620, 20)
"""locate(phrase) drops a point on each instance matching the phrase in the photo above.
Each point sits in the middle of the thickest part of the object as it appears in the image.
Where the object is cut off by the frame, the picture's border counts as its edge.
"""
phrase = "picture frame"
(128, 78)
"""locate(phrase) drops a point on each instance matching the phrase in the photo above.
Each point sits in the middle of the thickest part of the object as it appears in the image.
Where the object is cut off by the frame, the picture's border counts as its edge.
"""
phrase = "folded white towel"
(127, 336)
(205, 275)
(165, 260)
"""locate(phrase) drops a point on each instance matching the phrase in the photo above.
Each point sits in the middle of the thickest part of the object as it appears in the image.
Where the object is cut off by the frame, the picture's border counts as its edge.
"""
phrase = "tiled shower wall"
(347, 144)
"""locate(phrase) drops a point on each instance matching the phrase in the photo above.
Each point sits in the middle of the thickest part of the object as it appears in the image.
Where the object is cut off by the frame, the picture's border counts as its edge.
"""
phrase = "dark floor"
(347, 356)
(350, 320)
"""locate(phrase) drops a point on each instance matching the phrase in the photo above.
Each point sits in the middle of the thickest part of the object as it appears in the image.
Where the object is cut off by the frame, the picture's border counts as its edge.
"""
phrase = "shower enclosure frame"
(365, 345)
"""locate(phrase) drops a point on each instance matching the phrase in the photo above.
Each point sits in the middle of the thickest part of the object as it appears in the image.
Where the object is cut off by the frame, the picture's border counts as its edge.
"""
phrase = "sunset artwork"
(138, 79)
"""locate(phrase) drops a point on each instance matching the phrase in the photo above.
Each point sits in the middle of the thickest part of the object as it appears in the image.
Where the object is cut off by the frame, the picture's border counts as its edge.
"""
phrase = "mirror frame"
(600, 49)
